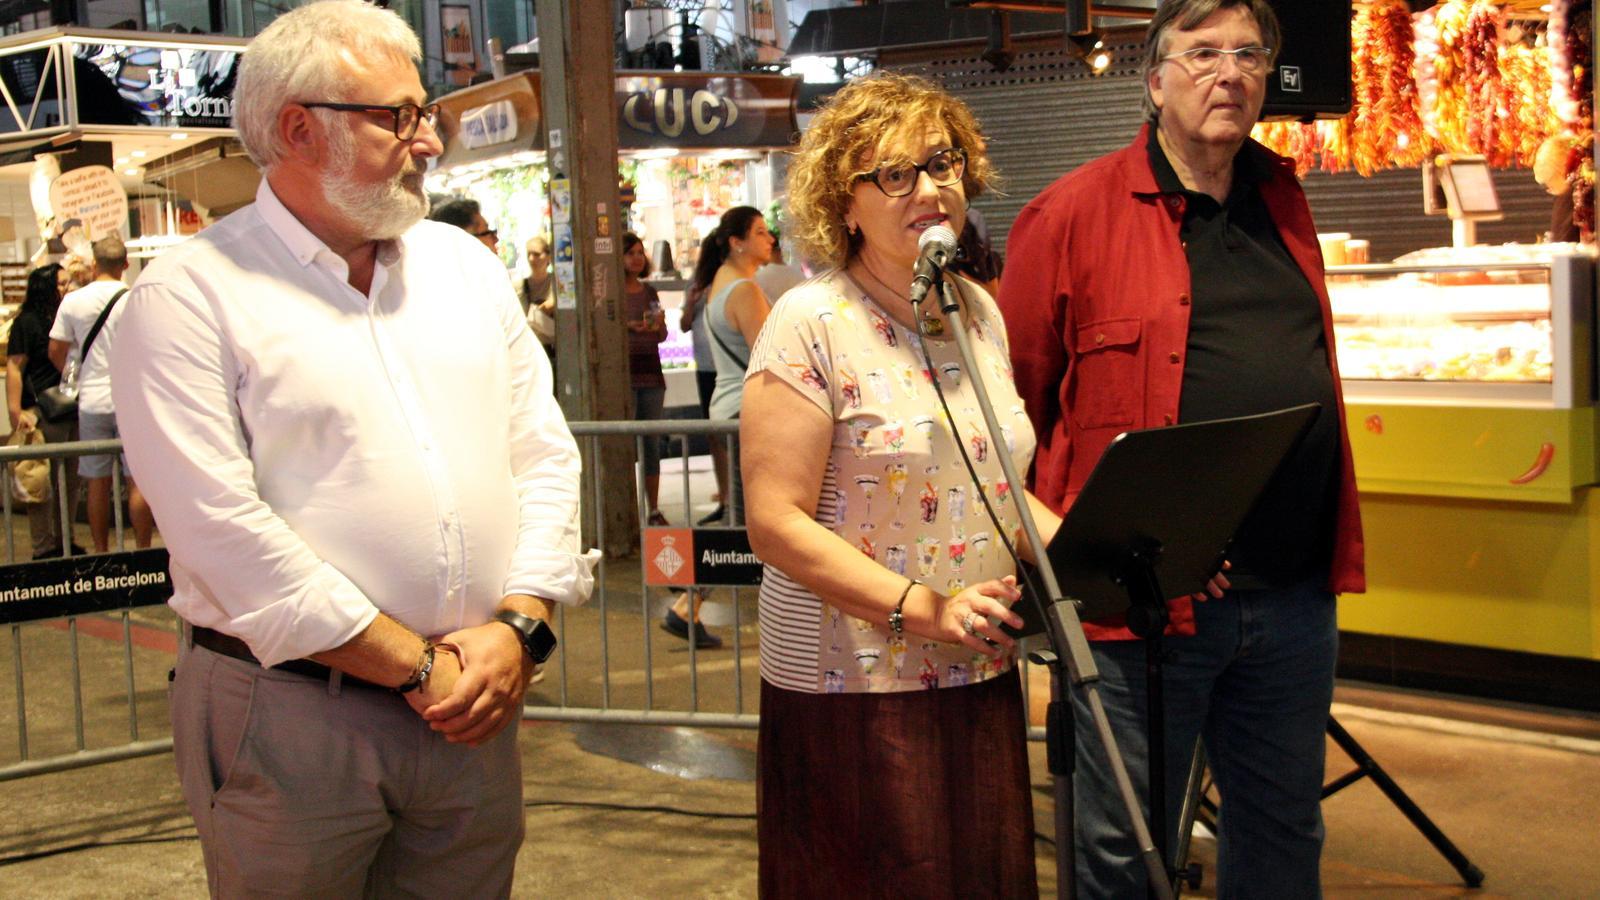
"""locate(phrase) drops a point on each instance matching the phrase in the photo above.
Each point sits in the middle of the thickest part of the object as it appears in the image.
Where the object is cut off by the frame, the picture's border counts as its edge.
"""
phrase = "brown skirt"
(911, 794)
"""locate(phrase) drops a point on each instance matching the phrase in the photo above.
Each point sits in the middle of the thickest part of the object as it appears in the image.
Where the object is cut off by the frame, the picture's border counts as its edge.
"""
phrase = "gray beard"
(379, 212)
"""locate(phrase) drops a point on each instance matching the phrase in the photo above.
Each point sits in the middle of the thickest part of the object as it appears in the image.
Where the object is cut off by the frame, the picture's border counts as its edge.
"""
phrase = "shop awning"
(906, 24)
(24, 151)
(686, 111)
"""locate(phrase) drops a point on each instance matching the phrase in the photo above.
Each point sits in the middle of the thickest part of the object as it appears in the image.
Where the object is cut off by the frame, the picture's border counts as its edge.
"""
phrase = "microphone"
(935, 248)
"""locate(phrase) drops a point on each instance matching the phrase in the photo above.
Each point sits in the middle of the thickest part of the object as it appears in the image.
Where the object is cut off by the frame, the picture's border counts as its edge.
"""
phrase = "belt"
(228, 645)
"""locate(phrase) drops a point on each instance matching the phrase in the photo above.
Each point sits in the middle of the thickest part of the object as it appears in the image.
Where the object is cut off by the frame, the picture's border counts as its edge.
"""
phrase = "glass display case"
(1481, 327)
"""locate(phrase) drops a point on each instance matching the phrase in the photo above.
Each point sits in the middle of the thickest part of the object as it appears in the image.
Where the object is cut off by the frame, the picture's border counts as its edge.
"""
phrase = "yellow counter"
(1470, 540)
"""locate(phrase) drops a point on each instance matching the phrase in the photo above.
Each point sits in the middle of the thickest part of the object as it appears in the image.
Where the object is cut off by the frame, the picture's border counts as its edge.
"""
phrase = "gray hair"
(298, 57)
(110, 253)
(1187, 15)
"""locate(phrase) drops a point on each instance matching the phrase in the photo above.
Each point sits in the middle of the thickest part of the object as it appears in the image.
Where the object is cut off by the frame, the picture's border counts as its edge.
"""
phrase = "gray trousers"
(308, 788)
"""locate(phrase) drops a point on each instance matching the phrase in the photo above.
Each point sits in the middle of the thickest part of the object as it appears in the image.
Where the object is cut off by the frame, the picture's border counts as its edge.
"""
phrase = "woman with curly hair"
(892, 749)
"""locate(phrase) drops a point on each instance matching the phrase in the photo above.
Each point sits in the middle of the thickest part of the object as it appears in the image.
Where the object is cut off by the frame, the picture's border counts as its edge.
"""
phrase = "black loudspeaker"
(1312, 76)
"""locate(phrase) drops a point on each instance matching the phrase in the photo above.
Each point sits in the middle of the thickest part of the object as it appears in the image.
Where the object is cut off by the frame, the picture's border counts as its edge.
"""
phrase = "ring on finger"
(968, 626)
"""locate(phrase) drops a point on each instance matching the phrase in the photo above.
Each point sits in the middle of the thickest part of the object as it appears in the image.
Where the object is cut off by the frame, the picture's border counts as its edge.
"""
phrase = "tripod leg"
(1061, 750)
(1156, 729)
(1188, 874)
(1471, 874)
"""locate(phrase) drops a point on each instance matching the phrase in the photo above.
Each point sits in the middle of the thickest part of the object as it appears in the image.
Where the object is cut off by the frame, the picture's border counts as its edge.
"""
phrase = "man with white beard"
(369, 495)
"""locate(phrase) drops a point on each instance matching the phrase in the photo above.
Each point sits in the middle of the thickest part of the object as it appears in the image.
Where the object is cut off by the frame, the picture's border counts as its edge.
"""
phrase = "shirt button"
(1173, 202)
(1173, 358)
(1100, 338)
(1183, 299)
(1167, 419)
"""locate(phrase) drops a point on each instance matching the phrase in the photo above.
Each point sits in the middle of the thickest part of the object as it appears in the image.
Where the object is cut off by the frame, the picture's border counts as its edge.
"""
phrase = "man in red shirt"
(1179, 279)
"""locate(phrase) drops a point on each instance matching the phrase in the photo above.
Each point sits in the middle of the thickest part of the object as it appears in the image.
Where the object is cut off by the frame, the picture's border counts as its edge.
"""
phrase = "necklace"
(932, 323)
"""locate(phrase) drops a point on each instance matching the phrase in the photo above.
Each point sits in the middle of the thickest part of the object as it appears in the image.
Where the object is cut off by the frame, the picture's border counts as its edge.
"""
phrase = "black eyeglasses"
(407, 116)
(944, 168)
(486, 233)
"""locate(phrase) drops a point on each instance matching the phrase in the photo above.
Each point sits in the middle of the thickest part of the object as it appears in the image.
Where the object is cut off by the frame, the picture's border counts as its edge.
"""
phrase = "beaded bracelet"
(897, 619)
(419, 677)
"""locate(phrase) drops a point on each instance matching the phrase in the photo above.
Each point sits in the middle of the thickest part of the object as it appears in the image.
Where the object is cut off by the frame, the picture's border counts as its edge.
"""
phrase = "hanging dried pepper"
(1385, 122)
(1486, 107)
(1450, 76)
(1530, 119)
(1572, 41)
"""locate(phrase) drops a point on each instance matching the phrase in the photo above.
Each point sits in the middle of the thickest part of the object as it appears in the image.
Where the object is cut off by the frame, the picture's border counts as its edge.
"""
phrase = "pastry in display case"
(1491, 325)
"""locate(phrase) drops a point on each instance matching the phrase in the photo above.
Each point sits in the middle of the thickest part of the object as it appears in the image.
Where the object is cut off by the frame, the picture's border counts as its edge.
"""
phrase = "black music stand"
(1153, 521)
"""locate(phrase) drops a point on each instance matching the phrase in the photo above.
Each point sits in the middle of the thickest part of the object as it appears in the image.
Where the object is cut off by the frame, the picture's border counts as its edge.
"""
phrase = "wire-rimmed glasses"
(1207, 60)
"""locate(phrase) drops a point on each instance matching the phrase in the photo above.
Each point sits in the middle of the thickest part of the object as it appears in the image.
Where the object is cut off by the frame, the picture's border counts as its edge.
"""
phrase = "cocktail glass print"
(809, 375)
(897, 653)
(928, 497)
(869, 486)
(867, 658)
(822, 358)
(894, 438)
(895, 558)
(896, 473)
(951, 373)
(956, 502)
(850, 387)
(927, 556)
(958, 551)
(957, 675)
(860, 431)
(878, 383)
(929, 674)
(980, 545)
(907, 375)
(980, 445)
(833, 681)
(885, 330)
(834, 615)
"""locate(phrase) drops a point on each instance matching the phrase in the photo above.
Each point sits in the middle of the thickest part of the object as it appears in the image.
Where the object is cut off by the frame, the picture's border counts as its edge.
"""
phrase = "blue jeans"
(1255, 680)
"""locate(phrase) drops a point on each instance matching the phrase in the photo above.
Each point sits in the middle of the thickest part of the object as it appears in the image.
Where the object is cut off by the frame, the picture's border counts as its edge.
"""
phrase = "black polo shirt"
(1255, 345)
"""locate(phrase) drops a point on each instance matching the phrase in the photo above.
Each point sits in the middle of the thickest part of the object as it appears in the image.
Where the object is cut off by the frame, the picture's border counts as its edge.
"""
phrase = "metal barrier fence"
(614, 664)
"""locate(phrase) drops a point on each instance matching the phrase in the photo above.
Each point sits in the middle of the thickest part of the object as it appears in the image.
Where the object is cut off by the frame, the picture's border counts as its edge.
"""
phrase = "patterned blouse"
(895, 487)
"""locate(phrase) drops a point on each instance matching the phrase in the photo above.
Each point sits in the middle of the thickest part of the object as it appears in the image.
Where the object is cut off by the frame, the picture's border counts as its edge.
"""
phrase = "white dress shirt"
(75, 318)
(315, 455)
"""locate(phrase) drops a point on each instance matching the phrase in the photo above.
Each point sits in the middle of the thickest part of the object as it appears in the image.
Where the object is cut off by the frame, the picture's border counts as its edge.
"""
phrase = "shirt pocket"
(1108, 374)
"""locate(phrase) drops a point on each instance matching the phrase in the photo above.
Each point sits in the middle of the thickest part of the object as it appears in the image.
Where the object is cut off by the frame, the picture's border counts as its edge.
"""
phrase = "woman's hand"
(965, 618)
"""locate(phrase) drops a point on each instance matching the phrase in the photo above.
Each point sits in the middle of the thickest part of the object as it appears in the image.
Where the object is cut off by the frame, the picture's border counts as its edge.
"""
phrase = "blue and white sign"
(488, 125)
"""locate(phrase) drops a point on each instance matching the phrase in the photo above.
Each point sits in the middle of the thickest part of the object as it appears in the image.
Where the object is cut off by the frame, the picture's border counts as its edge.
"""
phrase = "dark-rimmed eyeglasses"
(486, 233)
(1206, 60)
(899, 179)
(407, 116)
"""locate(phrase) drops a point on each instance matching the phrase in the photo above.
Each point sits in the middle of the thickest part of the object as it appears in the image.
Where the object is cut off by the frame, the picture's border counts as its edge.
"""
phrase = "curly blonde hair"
(859, 125)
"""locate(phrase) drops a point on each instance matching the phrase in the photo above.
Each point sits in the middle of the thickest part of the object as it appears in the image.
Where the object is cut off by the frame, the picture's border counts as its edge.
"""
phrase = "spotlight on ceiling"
(1092, 49)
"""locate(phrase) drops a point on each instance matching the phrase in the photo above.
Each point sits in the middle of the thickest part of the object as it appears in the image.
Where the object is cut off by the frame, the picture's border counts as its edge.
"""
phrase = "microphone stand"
(1069, 656)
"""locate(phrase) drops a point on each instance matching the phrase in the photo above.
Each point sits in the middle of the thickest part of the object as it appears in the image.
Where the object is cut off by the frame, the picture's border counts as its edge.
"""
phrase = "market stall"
(691, 145)
(113, 131)
(1470, 371)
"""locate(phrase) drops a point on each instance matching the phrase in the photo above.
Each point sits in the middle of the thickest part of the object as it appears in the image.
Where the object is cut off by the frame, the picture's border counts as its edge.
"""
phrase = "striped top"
(894, 486)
